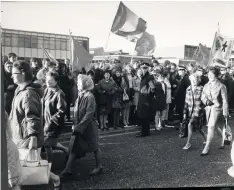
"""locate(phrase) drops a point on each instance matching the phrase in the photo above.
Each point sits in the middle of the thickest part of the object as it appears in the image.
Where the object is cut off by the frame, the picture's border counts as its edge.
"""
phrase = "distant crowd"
(112, 94)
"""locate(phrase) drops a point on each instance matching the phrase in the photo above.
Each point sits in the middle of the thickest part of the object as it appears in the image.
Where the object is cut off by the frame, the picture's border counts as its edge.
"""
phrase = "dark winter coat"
(53, 111)
(25, 117)
(229, 83)
(145, 97)
(84, 124)
(119, 86)
(180, 93)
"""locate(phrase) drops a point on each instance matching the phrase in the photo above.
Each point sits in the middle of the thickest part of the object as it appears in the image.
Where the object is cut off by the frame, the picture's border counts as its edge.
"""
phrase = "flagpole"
(70, 33)
(133, 53)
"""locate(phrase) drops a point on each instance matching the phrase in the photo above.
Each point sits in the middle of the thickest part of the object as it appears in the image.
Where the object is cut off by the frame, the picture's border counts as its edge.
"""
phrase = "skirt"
(79, 146)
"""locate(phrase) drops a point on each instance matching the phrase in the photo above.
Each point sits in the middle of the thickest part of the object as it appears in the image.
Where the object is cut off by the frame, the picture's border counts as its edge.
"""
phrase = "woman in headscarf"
(193, 109)
(85, 130)
(117, 101)
(53, 111)
(105, 90)
(214, 97)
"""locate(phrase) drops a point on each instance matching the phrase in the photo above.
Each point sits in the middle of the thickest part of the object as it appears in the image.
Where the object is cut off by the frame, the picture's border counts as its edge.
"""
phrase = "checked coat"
(193, 107)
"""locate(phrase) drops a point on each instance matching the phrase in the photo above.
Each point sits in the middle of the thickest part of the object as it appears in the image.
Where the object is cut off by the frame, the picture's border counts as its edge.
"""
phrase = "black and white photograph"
(117, 94)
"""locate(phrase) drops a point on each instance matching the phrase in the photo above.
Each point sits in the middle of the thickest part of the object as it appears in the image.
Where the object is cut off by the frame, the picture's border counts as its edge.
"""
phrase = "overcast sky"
(172, 23)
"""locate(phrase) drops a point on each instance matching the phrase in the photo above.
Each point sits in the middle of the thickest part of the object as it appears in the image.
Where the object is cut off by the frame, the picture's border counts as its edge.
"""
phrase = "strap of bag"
(38, 156)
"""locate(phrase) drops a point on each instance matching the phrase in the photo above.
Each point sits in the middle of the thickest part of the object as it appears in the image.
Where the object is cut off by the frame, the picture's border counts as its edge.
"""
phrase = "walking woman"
(105, 90)
(84, 138)
(53, 111)
(193, 109)
(117, 101)
(25, 118)
(214, 96)
(159, 99)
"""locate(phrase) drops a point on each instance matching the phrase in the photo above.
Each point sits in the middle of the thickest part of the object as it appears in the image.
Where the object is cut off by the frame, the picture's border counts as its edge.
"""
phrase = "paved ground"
(154, 161)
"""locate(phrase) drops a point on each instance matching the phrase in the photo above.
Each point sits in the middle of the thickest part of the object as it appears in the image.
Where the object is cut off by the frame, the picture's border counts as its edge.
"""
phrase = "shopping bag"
(125, 96)
(34, 172)
(228, 134)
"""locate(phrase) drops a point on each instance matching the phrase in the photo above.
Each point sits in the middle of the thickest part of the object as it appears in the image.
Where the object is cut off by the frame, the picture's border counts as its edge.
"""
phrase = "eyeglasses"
(16, 73)
(144, 67)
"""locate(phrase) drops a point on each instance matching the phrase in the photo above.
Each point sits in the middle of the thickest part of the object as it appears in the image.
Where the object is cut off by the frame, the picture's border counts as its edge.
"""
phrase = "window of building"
(7, 39)
(58, 44)
(21, 40)
(46, 43)
(63, 44)
(14, 40)
(27, 41)
(39, 42)
(52, 43)
(68, 44)
(34, 41)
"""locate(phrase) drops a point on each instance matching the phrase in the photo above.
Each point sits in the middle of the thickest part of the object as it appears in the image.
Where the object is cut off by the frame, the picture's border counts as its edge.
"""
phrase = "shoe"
(157, 128)
(59, 187)
(96, 171)
(182, 136)
(204, 154)
(188, 147)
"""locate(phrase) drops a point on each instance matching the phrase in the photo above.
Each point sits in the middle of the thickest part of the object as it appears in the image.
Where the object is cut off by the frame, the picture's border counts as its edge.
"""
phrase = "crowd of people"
(38, 98)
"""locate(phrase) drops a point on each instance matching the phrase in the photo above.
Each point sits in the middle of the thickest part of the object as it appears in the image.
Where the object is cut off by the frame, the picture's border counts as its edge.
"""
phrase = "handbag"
(228, 134)
(125, 96)
(34, 172)
(184, 129)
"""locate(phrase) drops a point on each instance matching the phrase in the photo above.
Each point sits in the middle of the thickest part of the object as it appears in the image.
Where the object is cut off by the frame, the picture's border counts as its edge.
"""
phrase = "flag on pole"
(80, 56)
(221, 50)
(145, 46)
(127, 24)
(49, 56)
(202, 55)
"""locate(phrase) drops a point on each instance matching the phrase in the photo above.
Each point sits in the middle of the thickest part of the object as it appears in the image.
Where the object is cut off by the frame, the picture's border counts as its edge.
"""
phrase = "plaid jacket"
(193, 105)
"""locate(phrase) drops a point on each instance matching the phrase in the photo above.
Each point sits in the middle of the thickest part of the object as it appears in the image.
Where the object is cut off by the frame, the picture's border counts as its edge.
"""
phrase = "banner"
(202, 56)
(80, 56)
(221, 50)
(49, 56)
(145, 46)
(127, 24)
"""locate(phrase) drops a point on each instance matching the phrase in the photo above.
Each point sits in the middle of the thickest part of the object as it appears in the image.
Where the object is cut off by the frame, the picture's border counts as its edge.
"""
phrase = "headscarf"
(87, 82)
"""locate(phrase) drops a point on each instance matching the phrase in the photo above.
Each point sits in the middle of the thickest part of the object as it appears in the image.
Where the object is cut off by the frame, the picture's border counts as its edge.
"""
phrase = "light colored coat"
(136, 87)
(216, 93)
(168, 98)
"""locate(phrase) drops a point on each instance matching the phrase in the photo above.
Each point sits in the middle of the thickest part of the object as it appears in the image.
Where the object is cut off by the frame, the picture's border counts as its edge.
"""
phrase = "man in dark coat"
(9, 86)
(144, 102)
(227, 80)
(204, 79)
(174, 80)
(180, 92)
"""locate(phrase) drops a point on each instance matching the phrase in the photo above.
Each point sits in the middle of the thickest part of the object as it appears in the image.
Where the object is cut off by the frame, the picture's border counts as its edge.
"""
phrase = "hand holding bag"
(35, 172)
(125, 96)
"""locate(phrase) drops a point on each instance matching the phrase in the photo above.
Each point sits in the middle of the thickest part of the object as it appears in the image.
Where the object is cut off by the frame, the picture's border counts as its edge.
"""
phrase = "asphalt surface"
(150, 162)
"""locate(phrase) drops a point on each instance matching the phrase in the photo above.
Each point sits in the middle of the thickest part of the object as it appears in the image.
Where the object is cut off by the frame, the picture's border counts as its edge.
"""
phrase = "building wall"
(27, 44)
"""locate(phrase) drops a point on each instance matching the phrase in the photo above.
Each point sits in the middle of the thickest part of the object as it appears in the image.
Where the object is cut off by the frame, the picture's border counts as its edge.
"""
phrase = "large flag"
(49, 56)
(221, 50)
(80, 56)
(145, 46)
(202, 55)
(127, 24)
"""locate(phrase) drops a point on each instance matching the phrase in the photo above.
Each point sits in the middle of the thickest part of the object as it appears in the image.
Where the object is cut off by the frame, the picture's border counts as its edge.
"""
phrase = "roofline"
(43, 33)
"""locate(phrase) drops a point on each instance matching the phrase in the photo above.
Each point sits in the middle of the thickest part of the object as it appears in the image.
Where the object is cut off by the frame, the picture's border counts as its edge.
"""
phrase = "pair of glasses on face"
(144, 68)
(16, 73)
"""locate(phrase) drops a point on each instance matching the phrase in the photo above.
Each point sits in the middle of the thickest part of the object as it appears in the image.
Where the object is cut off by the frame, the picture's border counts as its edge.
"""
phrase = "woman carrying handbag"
(25, 118)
